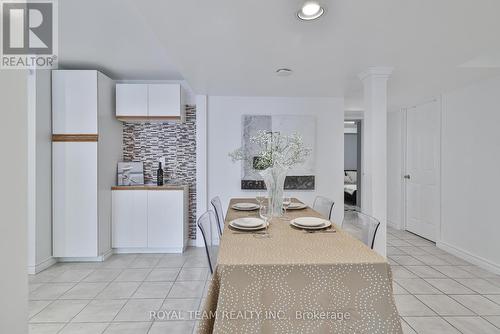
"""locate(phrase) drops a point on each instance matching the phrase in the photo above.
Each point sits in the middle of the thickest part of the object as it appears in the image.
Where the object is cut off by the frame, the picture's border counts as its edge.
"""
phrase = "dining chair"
(361, 226)
(324, 206)
(217, 205)
(205, 224)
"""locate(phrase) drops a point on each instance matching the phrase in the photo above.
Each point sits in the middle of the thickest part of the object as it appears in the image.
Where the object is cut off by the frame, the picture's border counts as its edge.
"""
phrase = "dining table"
(294, 281)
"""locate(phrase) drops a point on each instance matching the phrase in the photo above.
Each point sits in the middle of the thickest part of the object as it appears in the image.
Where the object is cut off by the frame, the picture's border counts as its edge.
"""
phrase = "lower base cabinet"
(149, 221)
(130, 219)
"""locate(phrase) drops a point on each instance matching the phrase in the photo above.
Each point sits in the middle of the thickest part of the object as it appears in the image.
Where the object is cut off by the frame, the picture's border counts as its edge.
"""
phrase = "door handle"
(407, 176)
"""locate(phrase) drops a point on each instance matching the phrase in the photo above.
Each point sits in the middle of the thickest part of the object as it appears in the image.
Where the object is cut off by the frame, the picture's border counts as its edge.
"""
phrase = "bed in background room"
(350, 187)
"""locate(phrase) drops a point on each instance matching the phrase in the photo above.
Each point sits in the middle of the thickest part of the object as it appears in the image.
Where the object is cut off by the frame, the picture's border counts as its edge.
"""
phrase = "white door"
(131, 100)
(422, 170)
(130, 219)
(74, 179)
(164, 100)
(166, 219)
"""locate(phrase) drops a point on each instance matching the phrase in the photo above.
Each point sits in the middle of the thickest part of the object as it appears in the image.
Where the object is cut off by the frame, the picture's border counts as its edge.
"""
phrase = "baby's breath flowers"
(275, 149)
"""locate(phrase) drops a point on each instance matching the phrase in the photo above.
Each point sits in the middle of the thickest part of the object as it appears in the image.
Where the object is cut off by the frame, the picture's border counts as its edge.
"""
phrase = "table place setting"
(296, 206)
(245, 206)
(248, 224)
(312, 225)
(252, 225)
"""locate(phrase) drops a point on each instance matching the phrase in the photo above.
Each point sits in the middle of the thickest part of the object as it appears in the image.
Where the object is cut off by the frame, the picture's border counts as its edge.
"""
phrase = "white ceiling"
(110, 36)
(228, 47)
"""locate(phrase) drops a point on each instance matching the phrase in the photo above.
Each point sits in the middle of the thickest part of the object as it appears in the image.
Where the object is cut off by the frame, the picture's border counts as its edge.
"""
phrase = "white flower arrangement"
(275, 149)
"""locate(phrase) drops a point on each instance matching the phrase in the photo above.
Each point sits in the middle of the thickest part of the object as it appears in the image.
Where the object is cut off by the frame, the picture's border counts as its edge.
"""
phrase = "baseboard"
(139, 250)
(107, 254)
(32, 270)
(81, 259)
(394, 225)
(53, 260)
(477, 260)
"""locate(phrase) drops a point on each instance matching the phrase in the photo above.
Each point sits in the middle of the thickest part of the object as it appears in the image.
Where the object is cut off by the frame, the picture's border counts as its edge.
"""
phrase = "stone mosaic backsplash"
(176, 142)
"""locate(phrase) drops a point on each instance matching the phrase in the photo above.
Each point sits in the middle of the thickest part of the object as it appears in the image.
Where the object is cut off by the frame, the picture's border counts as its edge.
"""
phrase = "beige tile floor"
(438, 293)
(435, 292)
(116, 296)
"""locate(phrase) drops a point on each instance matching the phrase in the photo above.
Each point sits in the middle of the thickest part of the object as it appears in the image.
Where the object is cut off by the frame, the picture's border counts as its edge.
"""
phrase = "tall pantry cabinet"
(86, 144)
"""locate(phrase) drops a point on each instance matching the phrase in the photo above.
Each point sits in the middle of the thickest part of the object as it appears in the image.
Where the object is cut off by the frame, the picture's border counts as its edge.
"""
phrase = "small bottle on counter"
(159, 175)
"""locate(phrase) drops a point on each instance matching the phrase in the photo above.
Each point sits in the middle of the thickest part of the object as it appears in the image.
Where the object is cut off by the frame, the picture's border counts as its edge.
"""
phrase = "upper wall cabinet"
(147, 102)
(74, 102)
(131, 100)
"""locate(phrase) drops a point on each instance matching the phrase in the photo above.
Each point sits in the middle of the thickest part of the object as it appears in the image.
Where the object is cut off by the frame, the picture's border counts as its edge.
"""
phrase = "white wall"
(13, 202)
(40, 172)
(350, 151)
(394, 168)
(224, 136)
(470, 180)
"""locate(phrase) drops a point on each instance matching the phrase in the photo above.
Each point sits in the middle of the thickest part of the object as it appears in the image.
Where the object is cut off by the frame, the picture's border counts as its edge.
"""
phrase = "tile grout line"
(69, 322)
(476, 293)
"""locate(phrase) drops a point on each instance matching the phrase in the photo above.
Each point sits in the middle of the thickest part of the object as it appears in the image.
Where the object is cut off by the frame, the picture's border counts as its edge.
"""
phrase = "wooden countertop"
(151, 187)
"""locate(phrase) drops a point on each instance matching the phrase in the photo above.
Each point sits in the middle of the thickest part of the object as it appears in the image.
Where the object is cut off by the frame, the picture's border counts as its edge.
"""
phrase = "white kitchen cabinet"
(74, 199)
(165, 100)
(130, 209)
(165, 219)
(150, 219)
(86, 143)
(131, 100)
(74, 102)
(149, 102)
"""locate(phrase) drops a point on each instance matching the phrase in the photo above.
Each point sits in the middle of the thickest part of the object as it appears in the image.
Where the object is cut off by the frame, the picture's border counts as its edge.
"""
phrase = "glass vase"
(274, 178)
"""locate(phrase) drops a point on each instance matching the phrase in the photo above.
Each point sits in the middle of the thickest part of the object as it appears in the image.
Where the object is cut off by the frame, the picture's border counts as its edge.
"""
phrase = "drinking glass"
(265, 214)
(260, 198)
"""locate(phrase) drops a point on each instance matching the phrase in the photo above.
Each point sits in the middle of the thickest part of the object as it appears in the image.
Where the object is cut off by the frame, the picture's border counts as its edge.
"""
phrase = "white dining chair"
(361, 226)
(324, 206)
(217, 205)
(205, 224)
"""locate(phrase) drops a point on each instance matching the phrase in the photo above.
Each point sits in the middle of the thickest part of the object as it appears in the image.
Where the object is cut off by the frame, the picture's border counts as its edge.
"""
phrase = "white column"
(374, 155)
(201, 162)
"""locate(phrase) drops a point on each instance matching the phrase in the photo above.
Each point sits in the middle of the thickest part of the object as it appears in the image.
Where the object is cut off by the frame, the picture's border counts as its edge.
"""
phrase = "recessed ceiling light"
(284, 72)
(311, 10)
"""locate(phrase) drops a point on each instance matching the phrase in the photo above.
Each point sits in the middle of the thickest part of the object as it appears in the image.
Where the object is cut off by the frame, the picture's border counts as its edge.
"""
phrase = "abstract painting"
(302, 176)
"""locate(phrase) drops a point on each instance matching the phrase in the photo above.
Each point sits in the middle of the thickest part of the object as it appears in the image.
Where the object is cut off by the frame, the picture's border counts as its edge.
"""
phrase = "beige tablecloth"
(297, 282)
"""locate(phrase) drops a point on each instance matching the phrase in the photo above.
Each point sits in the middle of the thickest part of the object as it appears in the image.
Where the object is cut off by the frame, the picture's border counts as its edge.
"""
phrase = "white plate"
(311, 223)
(297, 206)
(245, 206)
(247, 223)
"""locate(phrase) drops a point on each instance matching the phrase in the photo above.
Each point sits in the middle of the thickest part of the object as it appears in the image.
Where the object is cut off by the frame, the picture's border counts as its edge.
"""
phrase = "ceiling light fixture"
(311, 10)
(283, 72)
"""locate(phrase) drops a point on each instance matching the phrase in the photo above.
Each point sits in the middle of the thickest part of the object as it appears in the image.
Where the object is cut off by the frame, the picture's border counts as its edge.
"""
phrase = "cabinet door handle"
(407, 176)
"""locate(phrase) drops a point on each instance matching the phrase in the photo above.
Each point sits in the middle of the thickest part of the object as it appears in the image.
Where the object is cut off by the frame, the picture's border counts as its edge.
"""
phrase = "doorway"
(421, 175)
(352, 164)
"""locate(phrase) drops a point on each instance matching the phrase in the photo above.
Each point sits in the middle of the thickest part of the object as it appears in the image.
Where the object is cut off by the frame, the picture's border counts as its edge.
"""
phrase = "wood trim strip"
(75, 137)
